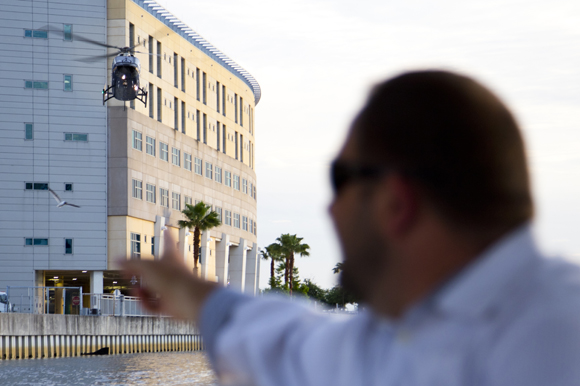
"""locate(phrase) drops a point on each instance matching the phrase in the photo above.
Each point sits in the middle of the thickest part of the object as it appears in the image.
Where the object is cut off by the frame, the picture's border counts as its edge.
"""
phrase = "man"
(432, 206)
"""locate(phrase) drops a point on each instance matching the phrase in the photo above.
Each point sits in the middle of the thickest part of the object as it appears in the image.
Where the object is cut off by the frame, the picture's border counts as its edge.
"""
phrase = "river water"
(168, 368)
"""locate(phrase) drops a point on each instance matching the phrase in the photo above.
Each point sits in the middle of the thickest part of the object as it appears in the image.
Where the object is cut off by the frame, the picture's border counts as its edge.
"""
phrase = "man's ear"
(398, 204)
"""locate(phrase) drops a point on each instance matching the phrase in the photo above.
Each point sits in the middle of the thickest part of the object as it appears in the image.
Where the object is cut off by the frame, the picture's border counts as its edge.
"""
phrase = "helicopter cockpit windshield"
(125, 77)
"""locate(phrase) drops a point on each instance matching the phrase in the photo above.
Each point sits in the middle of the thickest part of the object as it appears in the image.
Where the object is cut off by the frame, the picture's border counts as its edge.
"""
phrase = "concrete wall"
(14, 324)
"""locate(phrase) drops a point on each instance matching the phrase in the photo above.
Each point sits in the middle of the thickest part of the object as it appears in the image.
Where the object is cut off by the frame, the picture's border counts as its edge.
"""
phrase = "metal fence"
(72, 300)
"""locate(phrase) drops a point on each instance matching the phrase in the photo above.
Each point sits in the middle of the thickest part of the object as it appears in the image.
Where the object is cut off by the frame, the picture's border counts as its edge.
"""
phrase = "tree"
(337, 268)
(272, 252)
(290, 245)
(199, 217)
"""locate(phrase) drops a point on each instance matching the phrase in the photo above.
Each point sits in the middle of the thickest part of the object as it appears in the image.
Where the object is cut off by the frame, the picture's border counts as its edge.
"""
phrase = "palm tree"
(199, 217)
(272, 252)
(290, 245)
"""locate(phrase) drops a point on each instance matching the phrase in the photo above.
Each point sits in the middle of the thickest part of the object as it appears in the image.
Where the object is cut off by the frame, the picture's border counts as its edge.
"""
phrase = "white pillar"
(222, 251)
(96, 282)
(204, 254)
(252, 270)
(238, 266)
(184, 233)
(159, 223)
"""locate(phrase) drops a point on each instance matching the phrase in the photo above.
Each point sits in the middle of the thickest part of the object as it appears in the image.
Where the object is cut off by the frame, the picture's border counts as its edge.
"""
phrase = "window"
(217, 97)
(208, 170)
(159, 59)
(204, 88)
(175, 201)
(187, 200)
(187, 161)
(132, 41)
(164, 193)
(31, 33)
(182, 74)
(36, 242)
(251, 190)
(135, 245)
(241, 148)
(150, 146)
(197, 166)
(36, 185)
(150, 193)
(218, 136)
(176, 156)
(218, 174)
(236, 220)
(228, 178)
(68, 187)
(244, 223)
(198, 125)
(151, 55)
(175, 71)
(254, 192)
(223, 100)
(255, 228)
(175, 113)
(236, 145)
(159, 105)
(241, 111)
(76, 137)
(205, 128)
(67, 82)
(183, 117)
(218, 210)
(224, 139)
(151, 104)
(236, 107)
(68, 246)
(236, 182)
(28, 131)
(137, 140)
(228, 217)
(164, 151)
(153, 245)
(67, 31)
(244, 186)
(251, 226)
(197, 91)
(41, 85)
(138, 189)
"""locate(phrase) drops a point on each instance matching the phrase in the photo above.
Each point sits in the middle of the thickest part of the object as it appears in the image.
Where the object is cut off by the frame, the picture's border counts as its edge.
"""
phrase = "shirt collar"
(482, 284)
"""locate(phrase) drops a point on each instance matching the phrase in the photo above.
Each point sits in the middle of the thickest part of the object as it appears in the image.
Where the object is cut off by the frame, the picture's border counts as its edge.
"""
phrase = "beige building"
(194, 141)
(130, 167)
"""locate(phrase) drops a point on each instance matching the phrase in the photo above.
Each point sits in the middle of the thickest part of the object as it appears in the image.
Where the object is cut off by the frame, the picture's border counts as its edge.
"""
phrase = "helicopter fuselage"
(125, 80)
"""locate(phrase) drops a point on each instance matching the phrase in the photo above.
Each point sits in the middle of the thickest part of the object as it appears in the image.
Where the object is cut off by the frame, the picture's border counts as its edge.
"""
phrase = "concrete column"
(204, 254)
(159, 224)
(222, 251)
(96, 282)
(238, 266)
(184, 236)
(252, 270)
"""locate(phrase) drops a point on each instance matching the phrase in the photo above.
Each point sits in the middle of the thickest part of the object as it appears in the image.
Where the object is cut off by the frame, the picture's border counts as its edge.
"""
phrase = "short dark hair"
(456, 140)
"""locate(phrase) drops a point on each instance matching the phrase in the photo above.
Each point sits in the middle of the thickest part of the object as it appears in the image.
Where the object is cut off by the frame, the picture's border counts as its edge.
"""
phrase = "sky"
(316, 60)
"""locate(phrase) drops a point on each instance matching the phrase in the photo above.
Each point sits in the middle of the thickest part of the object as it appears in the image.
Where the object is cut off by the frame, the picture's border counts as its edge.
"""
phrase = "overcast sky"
(315, 61)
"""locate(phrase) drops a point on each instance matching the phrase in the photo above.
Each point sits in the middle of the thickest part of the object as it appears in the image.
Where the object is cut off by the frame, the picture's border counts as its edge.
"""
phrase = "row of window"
(68, 187)
(247, 224)
(43, 34)
(43, 85)
(68, 137)
(68, 244)
(210, 172)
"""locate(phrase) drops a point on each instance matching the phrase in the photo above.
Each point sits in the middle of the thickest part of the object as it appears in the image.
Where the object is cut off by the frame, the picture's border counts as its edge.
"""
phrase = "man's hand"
(168, 286)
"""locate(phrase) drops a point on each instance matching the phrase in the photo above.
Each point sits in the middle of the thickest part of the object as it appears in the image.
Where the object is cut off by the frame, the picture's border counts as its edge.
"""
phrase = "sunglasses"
(342, 173)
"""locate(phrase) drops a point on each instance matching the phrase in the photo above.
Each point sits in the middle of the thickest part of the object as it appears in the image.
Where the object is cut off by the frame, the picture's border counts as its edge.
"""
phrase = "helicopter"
(125, 70)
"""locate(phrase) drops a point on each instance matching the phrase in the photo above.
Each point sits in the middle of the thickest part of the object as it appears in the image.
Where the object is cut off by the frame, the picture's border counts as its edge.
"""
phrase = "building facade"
(130, 167)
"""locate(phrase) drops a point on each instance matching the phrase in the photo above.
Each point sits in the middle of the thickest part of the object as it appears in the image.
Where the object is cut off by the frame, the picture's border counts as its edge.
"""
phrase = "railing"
(69, 300)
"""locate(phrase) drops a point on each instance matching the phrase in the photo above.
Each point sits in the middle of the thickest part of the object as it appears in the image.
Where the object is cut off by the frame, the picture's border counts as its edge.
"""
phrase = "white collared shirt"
(512, 317)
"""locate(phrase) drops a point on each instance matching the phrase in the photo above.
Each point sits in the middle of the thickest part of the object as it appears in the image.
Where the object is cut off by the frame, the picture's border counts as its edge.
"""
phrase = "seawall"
(33, 336)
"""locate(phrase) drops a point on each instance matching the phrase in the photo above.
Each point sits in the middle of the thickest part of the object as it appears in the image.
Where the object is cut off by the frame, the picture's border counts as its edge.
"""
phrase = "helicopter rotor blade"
(147, 53)
(89, 59)
(53, 29)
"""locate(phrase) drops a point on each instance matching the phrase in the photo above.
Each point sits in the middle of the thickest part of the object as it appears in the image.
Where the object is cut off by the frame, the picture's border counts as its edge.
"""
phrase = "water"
(168, 368)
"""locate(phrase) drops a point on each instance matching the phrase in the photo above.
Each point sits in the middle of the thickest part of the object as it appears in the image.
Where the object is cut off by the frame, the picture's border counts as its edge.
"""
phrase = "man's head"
(455, 149)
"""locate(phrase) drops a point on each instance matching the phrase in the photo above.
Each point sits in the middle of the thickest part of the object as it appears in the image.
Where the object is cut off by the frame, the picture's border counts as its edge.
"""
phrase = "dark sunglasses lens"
(339, 176)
